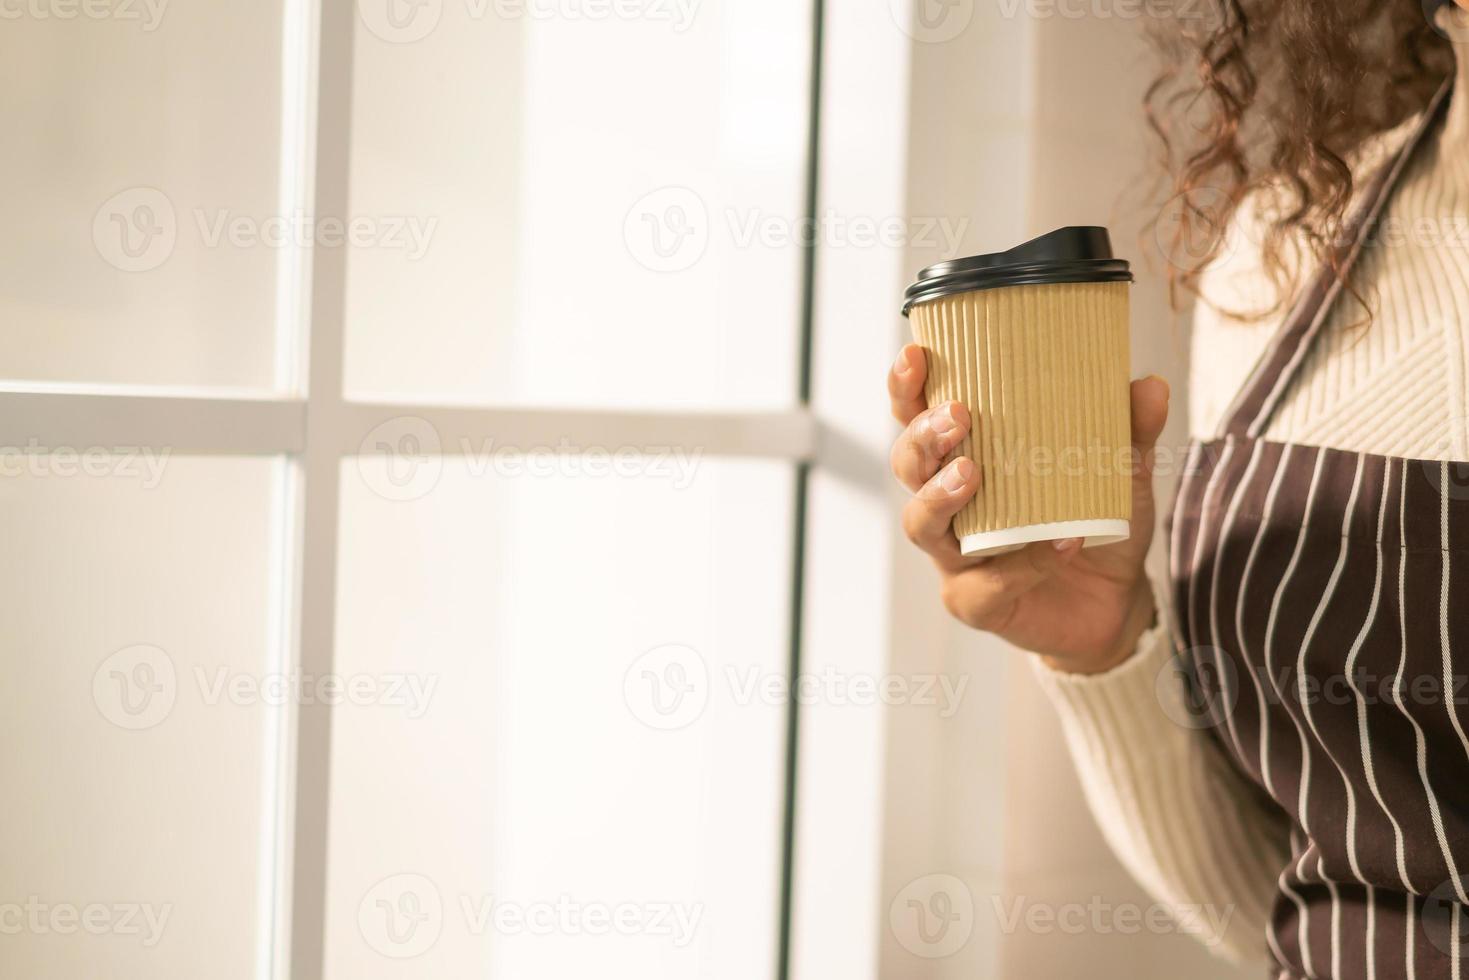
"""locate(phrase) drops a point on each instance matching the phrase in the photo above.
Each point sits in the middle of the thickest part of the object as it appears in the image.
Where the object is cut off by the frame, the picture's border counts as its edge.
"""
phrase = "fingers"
(925, 443)
(985, 595)
(926, 517)
(905, 383)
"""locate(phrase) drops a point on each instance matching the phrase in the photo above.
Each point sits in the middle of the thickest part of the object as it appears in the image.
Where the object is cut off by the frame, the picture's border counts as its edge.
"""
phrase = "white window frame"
(313, 427)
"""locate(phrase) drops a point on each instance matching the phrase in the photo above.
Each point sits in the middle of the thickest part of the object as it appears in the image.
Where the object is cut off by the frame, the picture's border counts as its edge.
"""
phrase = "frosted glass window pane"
(136, 142)
(134, 786)
(606, 207)
(592, 734)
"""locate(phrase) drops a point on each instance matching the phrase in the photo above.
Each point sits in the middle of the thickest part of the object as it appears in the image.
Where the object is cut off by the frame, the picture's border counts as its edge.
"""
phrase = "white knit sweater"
(1177, 813)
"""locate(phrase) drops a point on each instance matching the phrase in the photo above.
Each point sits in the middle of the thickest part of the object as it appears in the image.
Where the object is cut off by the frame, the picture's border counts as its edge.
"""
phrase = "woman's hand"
(1083, 611)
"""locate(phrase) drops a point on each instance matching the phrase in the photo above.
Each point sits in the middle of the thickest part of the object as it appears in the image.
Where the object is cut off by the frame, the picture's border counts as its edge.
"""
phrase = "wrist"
(1140, 616)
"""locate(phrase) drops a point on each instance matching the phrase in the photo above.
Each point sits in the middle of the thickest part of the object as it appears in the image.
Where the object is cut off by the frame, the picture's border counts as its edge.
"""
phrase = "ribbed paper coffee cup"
(1034, 342)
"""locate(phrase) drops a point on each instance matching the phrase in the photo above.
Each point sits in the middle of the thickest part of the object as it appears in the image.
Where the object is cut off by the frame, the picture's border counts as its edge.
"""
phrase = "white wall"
(1024, 124)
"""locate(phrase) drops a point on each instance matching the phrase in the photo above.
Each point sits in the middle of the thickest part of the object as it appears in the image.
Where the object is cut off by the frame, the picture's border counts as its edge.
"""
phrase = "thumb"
(1149, 414)
(1149, 398)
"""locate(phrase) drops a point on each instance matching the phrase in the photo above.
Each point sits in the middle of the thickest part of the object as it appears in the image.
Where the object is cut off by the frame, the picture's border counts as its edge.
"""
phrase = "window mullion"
(319, 498)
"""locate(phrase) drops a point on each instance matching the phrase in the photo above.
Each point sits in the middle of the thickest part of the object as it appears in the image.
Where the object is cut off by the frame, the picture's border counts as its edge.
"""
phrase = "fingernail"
(1065, 544)
(943, 420)
(900, 366)
(1167, 388)
(956, 474)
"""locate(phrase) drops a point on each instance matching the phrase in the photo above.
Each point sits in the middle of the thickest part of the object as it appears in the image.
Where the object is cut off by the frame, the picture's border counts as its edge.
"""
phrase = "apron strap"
(1256, 402)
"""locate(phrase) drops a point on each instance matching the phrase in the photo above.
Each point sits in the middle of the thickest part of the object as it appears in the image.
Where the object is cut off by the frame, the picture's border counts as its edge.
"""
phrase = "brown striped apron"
(1321, 611)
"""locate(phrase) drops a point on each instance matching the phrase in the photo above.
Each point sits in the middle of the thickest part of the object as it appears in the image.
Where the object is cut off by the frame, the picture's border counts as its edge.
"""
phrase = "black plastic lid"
(1073, 254)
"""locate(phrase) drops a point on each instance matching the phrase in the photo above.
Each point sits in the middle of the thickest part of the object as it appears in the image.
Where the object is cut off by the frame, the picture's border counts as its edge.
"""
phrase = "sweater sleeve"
(1184, 821)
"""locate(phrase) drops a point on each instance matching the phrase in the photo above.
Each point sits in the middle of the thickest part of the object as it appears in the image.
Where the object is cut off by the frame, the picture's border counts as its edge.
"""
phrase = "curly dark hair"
(1273, 97)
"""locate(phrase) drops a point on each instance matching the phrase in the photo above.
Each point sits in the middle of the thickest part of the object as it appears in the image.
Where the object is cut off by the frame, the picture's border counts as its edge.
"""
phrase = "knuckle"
(994, 618)
(897, 457)
(895, 383)
(955, 597)
(907, 461)
(921, 522)
(924, 439)
(932, 493)
(920, 464)
(981, 607)
(1001, 586)
(913, 522)
(1039, 560)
